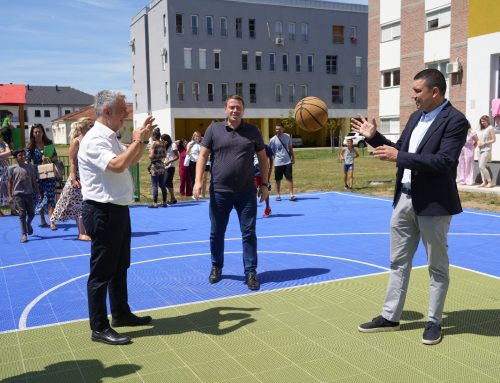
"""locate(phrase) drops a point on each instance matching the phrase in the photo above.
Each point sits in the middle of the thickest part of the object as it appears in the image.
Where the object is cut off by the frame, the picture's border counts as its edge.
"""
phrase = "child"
(348, 155)
(258, 178)
(22, 181)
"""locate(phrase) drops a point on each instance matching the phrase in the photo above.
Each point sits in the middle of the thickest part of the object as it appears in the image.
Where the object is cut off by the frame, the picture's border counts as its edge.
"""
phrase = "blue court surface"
(321, 237)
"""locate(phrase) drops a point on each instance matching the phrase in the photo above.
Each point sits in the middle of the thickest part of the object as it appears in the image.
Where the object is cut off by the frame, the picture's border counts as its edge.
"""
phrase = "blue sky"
(77, 43)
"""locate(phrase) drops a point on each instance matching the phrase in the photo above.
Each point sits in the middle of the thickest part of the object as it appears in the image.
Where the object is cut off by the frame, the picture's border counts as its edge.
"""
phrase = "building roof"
(56, 95)
(12, 94)
(89, 112)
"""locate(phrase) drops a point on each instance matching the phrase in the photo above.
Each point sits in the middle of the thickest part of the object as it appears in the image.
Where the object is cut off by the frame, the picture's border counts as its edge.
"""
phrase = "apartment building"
(189, 55)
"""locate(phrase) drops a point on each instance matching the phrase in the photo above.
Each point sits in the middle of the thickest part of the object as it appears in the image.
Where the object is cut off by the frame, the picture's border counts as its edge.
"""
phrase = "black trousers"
(109, 227)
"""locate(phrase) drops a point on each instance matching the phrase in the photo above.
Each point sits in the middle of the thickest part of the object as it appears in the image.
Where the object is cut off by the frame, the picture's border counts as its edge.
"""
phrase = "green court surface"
(303, 334)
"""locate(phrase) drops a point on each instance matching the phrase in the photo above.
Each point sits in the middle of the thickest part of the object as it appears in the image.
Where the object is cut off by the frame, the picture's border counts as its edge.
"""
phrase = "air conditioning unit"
(279, 41)
(454, 67)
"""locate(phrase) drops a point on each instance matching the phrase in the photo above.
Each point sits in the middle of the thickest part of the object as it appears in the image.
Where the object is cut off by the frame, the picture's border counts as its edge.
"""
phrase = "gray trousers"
(406, 231)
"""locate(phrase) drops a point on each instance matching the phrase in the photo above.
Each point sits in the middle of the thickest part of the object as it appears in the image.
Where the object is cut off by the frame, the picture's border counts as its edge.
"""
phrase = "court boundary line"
(27, 310)
(230, 239)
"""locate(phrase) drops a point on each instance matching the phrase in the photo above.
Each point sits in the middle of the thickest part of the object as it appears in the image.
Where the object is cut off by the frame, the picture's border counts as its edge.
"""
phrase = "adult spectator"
(281, 145)
(465, 170)
(157, 155)
(193, 151)
(4, 165)
(487, 138)
(37, 153)
(107, 191)
(185, 189)
(69, 205)
(232, 144)
(426, 196)
(170, 159)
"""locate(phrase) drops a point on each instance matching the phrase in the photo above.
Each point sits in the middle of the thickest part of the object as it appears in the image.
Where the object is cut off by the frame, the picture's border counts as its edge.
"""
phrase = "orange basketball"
(311, 114)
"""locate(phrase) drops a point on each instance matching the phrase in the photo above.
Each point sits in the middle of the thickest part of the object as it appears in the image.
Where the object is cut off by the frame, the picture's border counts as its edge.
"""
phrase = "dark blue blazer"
(434, 164)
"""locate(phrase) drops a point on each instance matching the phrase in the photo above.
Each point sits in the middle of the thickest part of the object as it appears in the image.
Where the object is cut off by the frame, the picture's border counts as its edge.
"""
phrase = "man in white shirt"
(107, 190)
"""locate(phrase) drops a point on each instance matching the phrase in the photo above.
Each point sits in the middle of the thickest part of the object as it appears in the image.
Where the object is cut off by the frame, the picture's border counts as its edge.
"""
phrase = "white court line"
(24, 315)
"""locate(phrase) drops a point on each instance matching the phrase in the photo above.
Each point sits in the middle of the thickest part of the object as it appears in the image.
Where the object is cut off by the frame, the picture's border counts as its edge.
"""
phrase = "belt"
(406, 190)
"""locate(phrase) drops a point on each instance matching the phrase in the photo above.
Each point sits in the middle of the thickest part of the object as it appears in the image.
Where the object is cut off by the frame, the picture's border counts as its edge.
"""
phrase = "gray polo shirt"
(232, 155)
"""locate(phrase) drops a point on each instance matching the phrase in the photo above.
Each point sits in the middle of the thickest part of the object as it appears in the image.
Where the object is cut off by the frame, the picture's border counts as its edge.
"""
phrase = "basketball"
(311, 114)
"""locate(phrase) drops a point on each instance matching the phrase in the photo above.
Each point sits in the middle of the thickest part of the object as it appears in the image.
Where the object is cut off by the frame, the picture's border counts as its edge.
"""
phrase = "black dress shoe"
(110, 336)
(215, 275)
(252, 282)
(131, 320)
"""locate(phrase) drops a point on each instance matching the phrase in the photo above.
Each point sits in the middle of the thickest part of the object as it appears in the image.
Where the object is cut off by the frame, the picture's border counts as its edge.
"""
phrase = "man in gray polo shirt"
(232, 144)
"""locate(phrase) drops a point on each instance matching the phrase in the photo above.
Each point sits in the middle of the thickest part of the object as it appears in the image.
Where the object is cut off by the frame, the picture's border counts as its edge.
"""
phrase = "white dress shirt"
(99, 146)
(417, 135)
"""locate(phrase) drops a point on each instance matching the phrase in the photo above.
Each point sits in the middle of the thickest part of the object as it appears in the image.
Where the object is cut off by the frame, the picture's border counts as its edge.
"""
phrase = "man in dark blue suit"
(425, 197)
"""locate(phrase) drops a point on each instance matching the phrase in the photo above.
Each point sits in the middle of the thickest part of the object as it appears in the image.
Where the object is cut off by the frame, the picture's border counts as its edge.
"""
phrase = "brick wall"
(458, 49)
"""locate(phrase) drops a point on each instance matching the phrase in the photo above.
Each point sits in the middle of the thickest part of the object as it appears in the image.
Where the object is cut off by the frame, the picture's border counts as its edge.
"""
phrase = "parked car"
(357, 139)
(297, 142)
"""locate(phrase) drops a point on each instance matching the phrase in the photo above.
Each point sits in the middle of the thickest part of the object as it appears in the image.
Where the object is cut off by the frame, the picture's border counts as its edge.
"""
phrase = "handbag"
(187, 160)
(47, 171)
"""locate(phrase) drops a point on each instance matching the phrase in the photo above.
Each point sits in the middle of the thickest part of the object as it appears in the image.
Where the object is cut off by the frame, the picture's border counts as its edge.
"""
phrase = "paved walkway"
(477, 189)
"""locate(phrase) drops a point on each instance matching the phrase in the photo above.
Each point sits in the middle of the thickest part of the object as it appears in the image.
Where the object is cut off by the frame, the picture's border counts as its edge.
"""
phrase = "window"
(258, 60)
(224, 91)
(180, 91)
(166, 91)
(277, 92)
(251, 28)
(390, 32)
(304, 31)
(440, 66)
(210, 25)
(310, 63)
(46, 113)
(244, 60)
(303, 91)
(179, 23)
(337, 94)
(389, 125)
(358, 64)
(38, 113)
(438, 19)
(210, 92)
(272, 61)
(338, 34)
(390, 78)
(278, 28)
(164, 59)
(202, 56)
(354, 33)
(239, 89)
(223, 26)
(196, 91)
(164, 25)
(291, 93)
(239, 27)
(285, 62)
(253, 93)
(194, 24)
(187, 58)
(331, 64)
(298, 62)
(217, 59)
(291, 31)
(66, 111)
(352, 94)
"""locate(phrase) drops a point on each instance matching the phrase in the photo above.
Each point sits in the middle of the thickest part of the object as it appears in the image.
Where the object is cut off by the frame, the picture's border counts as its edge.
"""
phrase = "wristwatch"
(264, 184)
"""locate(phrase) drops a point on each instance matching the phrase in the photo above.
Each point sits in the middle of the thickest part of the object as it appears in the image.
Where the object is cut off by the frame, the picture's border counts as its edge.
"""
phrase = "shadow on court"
(282, 216)
(282, 275)
(137, 234)
(207, 322)
(75, 371)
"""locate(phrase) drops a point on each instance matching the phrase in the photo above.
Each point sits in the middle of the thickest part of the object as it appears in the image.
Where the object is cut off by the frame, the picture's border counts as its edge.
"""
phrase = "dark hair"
(45, 139)
(15, 152)
(279, 123)
(165, 137)
(156, 135)
(235, 97)
(432, 78)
